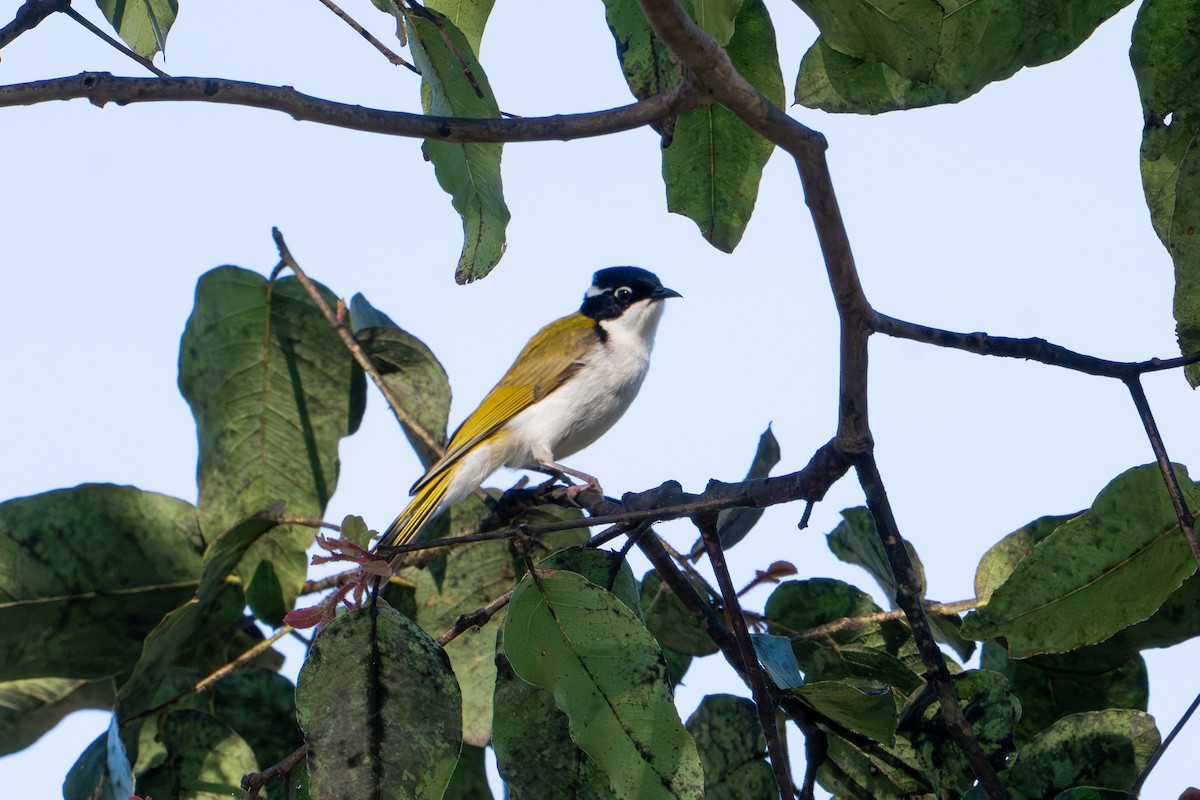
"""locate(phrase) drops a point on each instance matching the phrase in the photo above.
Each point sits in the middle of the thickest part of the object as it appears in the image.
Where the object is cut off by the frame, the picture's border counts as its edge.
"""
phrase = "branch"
(1186, 522)
(242, 660)
(254, 782)
(909, 589)
(101, 88)
(388, 53)
(750, 667)
(29, 16)
(393, 400)
(1031, 349)
(475, 619)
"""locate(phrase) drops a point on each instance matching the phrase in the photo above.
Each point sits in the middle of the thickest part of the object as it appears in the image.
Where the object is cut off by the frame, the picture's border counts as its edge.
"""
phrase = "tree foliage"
(533, 641)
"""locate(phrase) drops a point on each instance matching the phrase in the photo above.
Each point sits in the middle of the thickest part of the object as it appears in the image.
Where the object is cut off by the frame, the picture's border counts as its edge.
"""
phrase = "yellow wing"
(552, 356)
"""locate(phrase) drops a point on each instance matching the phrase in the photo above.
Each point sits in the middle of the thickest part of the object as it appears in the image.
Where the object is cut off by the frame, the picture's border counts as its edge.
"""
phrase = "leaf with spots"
(380, 708)
(204, 759)
(96, 563)
(1110, 567)
(577, 640)
(730, 741)
(273, 391)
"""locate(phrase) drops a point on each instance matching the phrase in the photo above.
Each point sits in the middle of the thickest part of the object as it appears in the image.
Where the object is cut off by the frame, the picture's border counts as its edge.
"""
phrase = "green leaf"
(534, 751)
(730, 741)
(1106, 569)
(380, 709)
(469, 16)
(102, 771)
(776, 656)
(990, 709)
(1051, 687)
(870, 771)
(1102, 749)
(871, 713)
(32, 707)
(474, 575)
(734, 523)
(205, 760)
(410, 369)
(568, 635)
(882, 55)
(455, 86)
(192, 626)
(273, 391)
(141, 24)
(670, 621)
(798, 606)
(97, 563)
(714, 163)
(647, 63)
(260, 706)
(470, 780)
(1166, 62)
(856, 541)
(998, 562)
(608, 570)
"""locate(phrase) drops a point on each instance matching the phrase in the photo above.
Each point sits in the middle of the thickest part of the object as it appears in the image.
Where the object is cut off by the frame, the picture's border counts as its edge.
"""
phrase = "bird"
(569, 385)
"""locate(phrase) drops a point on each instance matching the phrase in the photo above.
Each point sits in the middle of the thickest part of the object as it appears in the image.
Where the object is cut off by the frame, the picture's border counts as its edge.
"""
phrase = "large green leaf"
(1102, 749)
(193, 626)
(473, 574)
(883, 55)
(31, 707)
(141, 24)
(1106, 569)
(730, 741)
(569, 636)
(259, 706)
(97, 563)
(469, 16)
(456, 86)
(1166, 61)
(410, 369)
(1051, 687)
(534, 751)
(871, 713)
(273, 391)
(670, 621)
(380, 709)
(205, 760)
(714, 163)
(998, 562)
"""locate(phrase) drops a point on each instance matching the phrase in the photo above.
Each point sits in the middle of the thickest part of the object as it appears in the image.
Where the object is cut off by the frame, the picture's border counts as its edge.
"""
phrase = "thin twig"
(254, 782)
(330, 581)
(242, 660)
(750, 666)
(388, 53)
(476, 618)
(1186, 521)
(29, 16)
(1030, 349)
(311, 522)
(112, 42)
(849, 623)
(101, 88)
(1136, 789)
(393, 400)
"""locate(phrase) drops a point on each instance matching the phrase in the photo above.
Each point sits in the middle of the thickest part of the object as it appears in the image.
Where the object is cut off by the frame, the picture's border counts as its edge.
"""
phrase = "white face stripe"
(593, 290)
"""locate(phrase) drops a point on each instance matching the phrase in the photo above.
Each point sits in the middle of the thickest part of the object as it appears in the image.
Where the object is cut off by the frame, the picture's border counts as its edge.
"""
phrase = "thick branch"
(102, 87)
(909, 591)
(709, 62)
(29, 16)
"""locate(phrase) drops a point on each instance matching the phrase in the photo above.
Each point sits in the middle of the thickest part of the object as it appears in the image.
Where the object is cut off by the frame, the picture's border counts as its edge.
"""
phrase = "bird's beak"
(663, 293)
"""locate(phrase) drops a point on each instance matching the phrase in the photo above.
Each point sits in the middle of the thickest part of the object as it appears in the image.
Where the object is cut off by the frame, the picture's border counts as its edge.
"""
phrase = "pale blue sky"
(1018, 212)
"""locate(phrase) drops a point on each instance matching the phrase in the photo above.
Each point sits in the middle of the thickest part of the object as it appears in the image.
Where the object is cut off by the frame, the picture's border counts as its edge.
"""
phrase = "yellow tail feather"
(421, 508)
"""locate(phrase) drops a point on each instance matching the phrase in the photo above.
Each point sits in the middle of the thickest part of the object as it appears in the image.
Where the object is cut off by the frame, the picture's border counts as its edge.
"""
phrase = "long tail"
(419, 509)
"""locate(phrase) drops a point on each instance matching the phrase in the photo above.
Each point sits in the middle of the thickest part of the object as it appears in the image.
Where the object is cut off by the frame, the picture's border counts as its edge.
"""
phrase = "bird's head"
(617, 291)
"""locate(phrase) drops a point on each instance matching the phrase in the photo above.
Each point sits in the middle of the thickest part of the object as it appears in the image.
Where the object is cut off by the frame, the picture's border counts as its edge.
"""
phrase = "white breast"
(581, 410)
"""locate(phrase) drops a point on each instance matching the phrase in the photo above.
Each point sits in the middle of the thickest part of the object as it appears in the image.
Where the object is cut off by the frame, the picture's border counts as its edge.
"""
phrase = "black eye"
(623, 294)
